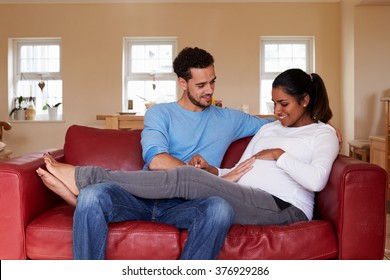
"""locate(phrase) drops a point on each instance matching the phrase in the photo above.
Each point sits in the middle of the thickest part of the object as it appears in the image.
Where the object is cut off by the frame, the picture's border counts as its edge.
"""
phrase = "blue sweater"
(168, 128)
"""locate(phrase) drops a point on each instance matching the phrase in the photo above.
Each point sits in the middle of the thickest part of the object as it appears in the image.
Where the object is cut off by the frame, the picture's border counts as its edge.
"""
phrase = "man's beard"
(195, 102)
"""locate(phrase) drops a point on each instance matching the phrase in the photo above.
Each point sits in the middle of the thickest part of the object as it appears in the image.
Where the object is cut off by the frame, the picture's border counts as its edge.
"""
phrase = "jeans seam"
(193, 232)
(101, 246)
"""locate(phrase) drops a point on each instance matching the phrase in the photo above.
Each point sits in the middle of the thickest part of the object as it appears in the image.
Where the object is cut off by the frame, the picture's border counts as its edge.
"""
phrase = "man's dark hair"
(191, 58)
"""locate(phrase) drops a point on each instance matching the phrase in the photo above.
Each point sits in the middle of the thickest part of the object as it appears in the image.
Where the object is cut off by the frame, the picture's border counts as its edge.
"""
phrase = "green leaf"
(13, 110)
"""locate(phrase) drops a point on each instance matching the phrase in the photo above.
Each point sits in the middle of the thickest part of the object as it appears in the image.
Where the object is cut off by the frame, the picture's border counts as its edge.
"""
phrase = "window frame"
(309, 41)
(15, 59)
(128, 75)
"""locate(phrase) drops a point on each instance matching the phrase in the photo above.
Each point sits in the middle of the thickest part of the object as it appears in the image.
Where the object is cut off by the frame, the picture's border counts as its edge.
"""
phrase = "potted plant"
(18, 110)
(53, 110)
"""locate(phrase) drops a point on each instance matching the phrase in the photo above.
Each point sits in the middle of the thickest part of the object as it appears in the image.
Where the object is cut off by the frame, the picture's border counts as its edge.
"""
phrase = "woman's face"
(288, 110)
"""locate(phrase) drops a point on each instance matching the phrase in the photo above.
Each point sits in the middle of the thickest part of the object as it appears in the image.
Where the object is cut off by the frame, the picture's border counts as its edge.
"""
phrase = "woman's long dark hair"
(298, 84)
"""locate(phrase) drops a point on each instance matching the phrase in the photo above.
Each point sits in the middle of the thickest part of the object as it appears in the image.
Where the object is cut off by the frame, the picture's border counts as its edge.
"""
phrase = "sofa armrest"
(354, 201)
(22, 198)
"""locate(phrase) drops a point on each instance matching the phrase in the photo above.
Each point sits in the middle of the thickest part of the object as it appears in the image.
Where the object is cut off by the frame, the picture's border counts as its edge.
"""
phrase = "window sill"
(39, 119)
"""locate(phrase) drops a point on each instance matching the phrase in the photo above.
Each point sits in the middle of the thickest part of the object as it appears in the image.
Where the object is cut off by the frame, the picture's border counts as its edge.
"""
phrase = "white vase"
(53, 112)
(20, 115)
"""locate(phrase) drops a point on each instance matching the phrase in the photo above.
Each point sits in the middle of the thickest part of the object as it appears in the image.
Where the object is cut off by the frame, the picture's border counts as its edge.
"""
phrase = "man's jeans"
(207, 220)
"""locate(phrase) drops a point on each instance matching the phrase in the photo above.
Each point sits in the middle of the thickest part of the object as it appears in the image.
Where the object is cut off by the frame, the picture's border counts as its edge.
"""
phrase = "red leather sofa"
(350, 213)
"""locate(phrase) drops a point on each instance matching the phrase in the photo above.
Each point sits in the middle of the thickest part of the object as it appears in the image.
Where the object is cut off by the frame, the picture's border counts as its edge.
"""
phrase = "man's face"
(200, 88)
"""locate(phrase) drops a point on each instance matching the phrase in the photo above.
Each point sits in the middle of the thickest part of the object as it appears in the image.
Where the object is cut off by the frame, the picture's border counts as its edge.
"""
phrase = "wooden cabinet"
(379, 145)
(386, 101)
(377, 151)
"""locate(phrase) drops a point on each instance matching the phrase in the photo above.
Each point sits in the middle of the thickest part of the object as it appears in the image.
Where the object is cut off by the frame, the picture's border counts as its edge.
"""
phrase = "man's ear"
(182, 83)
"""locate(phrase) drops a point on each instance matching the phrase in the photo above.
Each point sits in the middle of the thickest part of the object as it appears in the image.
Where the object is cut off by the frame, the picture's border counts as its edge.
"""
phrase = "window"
(277, 55)
(148, 72)
(36, 74)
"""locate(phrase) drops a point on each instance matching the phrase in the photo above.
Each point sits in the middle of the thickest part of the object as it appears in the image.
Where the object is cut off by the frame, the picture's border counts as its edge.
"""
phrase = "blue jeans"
(207, 220)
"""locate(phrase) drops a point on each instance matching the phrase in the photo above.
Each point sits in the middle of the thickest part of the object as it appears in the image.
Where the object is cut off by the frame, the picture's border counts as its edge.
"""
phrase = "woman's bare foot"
(57, 186)
(64, 172)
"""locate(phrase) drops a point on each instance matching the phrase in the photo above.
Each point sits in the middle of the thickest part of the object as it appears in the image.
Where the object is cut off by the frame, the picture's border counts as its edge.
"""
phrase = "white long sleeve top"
(303, 169)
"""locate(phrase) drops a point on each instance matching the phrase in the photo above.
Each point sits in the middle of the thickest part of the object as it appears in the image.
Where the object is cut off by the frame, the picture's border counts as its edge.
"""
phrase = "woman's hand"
(240, 170)
(270, 154)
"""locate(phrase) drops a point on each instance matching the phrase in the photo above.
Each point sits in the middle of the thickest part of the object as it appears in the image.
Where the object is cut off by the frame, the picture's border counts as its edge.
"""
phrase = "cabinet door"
(377, 151)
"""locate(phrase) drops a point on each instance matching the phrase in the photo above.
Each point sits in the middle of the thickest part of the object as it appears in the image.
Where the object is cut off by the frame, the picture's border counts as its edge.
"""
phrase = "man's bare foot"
(64, 172)
(57, 186)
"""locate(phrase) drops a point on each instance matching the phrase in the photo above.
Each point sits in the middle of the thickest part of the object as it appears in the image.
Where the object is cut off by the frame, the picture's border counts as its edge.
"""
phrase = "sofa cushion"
(49, 236)
(303, 241)
(234, 152)
(94, 146)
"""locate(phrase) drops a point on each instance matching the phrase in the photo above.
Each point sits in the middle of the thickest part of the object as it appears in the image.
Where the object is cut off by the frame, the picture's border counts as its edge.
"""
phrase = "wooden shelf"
(122, 121)
(386, 143)
(118, 121)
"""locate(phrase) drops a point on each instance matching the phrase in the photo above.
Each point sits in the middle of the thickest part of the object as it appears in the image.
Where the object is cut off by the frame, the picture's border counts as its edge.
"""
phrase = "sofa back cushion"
(108, 148)
(234, 152)
(121, 149)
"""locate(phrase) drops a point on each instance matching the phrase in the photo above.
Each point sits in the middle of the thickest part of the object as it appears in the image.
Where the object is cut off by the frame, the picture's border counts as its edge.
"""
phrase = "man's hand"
(339, 136)
(199, 162)
(240, 170)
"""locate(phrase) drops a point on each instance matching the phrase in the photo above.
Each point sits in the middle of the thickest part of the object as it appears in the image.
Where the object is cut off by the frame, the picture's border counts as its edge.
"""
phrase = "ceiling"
(361, 2)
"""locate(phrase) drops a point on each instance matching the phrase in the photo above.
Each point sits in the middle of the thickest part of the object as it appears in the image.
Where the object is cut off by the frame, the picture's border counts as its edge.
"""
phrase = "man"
(173, 134)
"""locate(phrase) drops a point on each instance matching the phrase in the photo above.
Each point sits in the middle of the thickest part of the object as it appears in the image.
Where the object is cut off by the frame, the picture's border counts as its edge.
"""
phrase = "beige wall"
(372, 68)
(92, 52)
(347, 68)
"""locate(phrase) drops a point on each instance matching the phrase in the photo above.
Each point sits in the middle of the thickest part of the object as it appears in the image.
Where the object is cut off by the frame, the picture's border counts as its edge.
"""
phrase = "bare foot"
(57, 186)
(64, 172)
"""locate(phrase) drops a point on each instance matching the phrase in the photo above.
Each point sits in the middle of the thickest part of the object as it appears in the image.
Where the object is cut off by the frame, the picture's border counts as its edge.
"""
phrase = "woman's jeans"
(207, 220)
